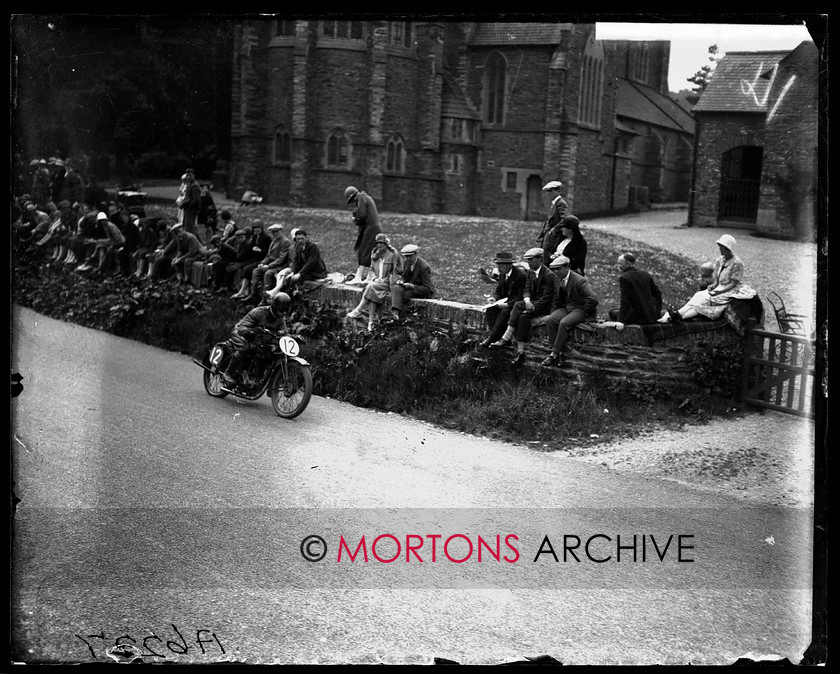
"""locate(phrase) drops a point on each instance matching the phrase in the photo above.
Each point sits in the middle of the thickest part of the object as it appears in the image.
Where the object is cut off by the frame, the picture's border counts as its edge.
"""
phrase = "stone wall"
(596, 349)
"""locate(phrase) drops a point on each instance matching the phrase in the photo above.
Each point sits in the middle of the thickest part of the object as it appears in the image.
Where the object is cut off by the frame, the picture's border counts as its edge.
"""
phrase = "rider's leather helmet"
(350, 193)
(280, 303)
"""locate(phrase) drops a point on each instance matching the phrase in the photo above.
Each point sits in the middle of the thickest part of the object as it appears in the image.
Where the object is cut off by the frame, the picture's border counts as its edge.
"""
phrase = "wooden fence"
(778, 372)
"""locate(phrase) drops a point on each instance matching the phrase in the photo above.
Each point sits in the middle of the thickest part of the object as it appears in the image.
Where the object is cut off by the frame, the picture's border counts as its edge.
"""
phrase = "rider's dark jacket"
(258, 317)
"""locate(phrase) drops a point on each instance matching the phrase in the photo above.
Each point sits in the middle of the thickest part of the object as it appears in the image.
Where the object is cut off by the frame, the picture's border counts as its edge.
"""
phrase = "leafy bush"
(718, 367)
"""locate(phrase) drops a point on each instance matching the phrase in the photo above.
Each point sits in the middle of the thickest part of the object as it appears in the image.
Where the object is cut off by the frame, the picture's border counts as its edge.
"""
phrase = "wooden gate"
(778, 372)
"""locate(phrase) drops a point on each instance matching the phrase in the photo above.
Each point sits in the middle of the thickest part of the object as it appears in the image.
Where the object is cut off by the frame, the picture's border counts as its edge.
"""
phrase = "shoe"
(355, 282)
(518, 359)
(236, 296)
(84, 267)
(501, 344)
(549, 361)
(371, 327)
(354, 313)
(484, 344)
(676, 316)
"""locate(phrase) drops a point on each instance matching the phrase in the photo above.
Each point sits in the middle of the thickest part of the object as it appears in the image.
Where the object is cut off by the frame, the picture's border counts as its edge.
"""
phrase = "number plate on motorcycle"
(216, 355)
(289, 346)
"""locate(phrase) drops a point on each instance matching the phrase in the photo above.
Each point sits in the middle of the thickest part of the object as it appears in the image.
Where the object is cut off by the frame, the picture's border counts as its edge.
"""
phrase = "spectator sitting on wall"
(228, 225)
(509, 290)
(307, 268)
(641, 298)
(574, 301)
(386, 265)
(534, 307)
(415, 280)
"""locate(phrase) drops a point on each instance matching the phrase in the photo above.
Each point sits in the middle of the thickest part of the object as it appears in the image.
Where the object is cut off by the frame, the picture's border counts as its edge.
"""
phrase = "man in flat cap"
(574, 301)
(276, 258)
(415, 280)
(534, 307)
(509, 289)
(557, 211)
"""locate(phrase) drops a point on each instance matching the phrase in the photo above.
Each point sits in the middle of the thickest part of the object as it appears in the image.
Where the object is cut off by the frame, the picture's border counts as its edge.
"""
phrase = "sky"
(690, 42)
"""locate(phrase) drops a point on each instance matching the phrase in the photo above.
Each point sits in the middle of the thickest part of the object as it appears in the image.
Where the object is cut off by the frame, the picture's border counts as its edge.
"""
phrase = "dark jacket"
(641, 298)
(512, 286)
(576, 295)
(575, 250)
(308, 262)
(540, 289)
(420, 274)
(367, 219)
(279, 253)
(259, 317)
(192, 198)
(559, 210)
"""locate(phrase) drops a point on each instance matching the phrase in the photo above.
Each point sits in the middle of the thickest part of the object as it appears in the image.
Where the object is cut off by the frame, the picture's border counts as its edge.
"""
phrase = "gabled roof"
(454, 102)
(517, 33)
(738, 83)
(645, 104)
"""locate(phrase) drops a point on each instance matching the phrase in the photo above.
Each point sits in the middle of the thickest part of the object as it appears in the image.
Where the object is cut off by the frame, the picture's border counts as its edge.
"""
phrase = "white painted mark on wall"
(781, 96)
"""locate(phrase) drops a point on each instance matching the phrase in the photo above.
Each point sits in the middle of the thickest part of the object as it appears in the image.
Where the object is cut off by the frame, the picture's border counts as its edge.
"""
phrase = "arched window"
(282, 146)
(591, 83)
(338, 149)
(395, 155)
(495, 86)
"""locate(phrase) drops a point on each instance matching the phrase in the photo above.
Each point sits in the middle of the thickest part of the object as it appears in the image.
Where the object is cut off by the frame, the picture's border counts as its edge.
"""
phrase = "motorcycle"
(275, 369)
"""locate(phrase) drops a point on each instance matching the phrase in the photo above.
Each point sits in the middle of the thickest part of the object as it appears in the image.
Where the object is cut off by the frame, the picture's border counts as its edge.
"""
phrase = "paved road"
(150, 512)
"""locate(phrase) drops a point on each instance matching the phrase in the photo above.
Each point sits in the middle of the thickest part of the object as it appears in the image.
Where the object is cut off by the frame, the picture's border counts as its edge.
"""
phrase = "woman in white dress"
(726, 285)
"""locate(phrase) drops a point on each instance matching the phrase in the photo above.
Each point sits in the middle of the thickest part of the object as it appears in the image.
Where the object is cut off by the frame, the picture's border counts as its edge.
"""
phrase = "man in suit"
(509, 289)
(307, 264)
(641, 299)
(415, 280)
(534, 306)
(573, 302)
(557, 211)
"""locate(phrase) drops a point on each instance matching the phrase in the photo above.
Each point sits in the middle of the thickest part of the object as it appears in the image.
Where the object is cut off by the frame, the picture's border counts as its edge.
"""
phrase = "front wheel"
(291, 389)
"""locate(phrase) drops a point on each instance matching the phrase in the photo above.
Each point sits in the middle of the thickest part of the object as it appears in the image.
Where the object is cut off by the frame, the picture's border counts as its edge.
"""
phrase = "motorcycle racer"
(271, 316)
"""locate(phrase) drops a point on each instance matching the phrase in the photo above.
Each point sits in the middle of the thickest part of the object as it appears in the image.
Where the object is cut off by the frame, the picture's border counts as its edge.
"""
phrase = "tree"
(701, 78)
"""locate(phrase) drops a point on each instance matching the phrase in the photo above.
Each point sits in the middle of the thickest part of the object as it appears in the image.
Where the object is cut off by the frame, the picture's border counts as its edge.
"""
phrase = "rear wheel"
(291, 389)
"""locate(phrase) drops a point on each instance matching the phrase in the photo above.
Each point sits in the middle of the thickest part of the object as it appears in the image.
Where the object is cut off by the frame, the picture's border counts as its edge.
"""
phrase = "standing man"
(573, 302)
(415, 280)
(641, 299)
(189, 201)
(558, 210)
(366, 217)
(509, 289)
(534, 307)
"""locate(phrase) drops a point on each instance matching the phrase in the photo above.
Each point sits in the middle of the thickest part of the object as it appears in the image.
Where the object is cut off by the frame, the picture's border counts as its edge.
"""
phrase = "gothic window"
(282, 146)
(591, 83)
(285, 28)
(639, 61)
(495, 75)
(399, 34)
(345, 30)
(338, 149)
(395, 155)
